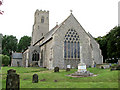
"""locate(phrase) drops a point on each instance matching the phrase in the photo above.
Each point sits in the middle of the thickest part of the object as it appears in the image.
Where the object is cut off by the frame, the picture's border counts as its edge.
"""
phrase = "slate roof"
(16, 55)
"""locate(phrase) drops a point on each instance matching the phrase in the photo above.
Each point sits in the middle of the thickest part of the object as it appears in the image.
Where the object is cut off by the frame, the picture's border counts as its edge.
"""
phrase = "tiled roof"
(17, 55)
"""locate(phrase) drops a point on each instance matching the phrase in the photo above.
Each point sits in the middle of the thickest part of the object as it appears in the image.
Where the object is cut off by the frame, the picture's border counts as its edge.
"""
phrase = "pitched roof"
(17, 55)
(49, 35)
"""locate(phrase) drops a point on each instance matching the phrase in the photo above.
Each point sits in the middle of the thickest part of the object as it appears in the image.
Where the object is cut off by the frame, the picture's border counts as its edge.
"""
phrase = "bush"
(5, 59)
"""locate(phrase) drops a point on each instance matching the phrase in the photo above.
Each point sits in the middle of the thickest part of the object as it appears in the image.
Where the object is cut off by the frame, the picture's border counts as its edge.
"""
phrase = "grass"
(104, 79)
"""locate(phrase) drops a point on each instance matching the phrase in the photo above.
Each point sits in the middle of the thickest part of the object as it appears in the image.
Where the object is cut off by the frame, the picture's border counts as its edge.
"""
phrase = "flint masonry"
(66, 44)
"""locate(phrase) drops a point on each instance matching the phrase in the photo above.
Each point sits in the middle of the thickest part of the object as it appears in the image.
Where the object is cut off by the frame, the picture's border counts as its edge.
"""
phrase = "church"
(66, 44)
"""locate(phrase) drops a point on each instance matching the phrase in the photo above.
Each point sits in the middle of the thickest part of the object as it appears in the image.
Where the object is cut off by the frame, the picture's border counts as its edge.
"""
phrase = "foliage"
(5, 59)
(104, 76)
(1, 3)
(110, 44)
(9, 44)
(103, 46)
(24, 43)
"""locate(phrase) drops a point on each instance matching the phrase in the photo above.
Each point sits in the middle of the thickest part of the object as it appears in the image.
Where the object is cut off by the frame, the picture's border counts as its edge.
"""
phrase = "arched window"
(71, 45)
(42, 19)
(35, 56)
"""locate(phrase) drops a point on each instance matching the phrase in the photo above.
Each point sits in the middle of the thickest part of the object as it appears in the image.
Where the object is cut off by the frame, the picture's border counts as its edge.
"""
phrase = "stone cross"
(13, 80)
(71, 11)
(81, 59)
(35, 78)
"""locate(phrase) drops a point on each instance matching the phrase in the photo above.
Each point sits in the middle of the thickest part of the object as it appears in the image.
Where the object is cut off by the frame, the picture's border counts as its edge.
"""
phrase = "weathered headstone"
(105, 66)
(68, 68)
(11, 71)
(82, 67)
(56, 69)
(82, 71)
(35, 78)
(12, 81)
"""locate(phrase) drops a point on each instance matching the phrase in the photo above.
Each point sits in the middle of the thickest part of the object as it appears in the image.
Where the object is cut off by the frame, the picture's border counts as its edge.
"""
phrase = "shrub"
(5, 59)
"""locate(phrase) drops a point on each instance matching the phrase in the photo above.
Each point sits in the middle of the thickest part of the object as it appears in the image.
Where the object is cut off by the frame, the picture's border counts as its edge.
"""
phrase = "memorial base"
(82, 74)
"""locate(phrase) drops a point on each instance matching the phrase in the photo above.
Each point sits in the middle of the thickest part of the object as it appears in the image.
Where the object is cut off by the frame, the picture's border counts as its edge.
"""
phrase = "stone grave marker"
(56, 69)
(13, 80)
(82, 71)
(105, 66)
(68, 68)
(82, 67)
(35, 78)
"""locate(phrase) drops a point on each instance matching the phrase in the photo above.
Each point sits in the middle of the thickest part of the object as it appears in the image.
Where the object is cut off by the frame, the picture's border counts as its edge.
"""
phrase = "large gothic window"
(35, 56)
(71, 45)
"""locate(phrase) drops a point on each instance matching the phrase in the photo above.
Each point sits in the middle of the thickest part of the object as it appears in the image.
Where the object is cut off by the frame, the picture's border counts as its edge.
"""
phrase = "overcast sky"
(96, 16)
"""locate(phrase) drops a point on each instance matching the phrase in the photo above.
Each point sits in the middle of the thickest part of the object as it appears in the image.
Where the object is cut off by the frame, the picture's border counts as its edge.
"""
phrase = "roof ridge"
(62, 23)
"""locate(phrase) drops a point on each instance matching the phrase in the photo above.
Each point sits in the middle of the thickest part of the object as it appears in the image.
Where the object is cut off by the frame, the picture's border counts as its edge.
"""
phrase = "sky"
(97, 17)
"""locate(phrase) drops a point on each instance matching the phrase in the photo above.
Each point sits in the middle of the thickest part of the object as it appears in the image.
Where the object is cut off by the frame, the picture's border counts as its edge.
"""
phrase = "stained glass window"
(71, 45)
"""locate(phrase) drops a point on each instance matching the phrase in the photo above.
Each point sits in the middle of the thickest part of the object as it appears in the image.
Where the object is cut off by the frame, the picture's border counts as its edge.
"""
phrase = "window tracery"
(35, 56)
(71, 45)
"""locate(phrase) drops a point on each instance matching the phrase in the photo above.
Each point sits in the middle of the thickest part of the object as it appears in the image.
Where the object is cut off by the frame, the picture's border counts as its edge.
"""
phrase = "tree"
(9, 44)
(110, 44)
(5, 59)
(24, 43)
(103, 46)
(113, 44)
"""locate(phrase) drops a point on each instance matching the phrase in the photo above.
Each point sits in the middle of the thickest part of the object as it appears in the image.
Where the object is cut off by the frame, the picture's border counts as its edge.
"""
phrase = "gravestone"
(35, 78)
(82, 67)
(11, 71)
(105, 66)
(68, 68)
(12, 81)
(82, 71)
(56, 69)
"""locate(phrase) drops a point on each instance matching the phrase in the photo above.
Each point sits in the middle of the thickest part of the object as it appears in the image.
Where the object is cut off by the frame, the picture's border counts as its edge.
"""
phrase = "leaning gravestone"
(68, 68)
(56, 69)
(35, 78)
(12, 81)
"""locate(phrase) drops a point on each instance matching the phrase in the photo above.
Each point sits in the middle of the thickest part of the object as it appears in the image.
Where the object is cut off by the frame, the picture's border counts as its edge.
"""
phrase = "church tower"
(41, 25)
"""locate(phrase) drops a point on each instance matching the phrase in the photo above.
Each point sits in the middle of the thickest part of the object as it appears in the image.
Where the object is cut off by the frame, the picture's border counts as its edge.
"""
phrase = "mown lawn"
(104, 79)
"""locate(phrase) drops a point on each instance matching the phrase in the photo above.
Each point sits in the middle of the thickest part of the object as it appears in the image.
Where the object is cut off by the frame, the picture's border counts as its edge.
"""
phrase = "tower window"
(42, 19)
(42, 34)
